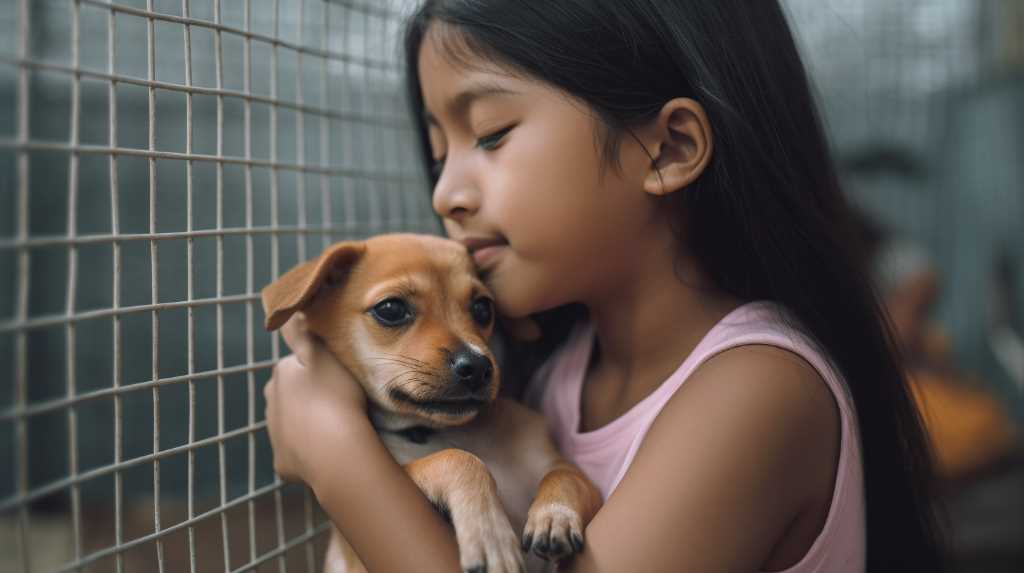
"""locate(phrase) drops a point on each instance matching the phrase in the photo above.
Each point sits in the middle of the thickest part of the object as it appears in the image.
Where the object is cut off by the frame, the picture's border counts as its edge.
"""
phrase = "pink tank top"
(606, 453)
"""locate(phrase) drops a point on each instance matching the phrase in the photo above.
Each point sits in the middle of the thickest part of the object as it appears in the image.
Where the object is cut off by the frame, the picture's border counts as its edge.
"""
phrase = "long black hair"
(765, 221)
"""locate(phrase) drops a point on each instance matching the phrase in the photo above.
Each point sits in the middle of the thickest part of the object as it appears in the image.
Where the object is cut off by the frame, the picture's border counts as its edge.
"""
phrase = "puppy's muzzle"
(470, 369)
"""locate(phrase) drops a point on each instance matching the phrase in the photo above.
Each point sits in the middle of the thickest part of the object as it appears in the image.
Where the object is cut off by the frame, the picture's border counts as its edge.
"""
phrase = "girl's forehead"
(450, 91)
(447, 62)
(448, 46)
(452, 77)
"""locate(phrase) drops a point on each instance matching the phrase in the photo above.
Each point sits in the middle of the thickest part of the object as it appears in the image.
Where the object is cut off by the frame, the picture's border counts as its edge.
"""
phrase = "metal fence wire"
(162, 161)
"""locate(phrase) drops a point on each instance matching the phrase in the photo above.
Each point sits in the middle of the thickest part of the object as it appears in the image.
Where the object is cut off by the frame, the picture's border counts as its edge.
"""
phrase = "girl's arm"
(748, 444)
(734, 457)
(378, 509)
(320, 434)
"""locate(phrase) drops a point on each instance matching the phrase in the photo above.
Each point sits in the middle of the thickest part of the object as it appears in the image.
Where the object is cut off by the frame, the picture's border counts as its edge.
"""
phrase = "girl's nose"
(455, 197)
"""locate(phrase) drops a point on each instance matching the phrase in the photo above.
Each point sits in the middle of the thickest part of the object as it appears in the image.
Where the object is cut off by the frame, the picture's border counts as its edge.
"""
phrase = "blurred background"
(162, 160)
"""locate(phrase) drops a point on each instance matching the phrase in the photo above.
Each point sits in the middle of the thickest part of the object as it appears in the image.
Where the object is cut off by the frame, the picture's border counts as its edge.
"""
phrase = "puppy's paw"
(487, 543)
(553, 531)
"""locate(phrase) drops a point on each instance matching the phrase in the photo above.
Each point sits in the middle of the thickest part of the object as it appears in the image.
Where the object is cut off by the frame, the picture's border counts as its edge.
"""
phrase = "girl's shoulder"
(759, 378)
(762, 380)
(768, 420)
(766, 390)
(752, 438)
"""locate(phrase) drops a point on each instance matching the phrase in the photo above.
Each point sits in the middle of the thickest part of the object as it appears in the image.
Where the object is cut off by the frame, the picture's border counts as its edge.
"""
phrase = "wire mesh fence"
(165, 160)
(162, 160)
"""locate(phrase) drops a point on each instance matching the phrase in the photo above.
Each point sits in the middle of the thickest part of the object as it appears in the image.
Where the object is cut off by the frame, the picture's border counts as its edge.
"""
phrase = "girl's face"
(521, 184)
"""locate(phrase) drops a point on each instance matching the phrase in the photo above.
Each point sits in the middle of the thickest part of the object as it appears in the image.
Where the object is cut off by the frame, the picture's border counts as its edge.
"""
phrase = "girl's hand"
(310, 399)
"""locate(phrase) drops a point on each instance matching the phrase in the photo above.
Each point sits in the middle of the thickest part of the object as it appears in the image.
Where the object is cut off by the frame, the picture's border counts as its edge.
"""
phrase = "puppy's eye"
(392, 312)
(482, 310)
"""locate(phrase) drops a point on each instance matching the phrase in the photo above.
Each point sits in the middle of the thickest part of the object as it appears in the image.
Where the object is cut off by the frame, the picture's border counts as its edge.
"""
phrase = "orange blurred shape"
(968, 428)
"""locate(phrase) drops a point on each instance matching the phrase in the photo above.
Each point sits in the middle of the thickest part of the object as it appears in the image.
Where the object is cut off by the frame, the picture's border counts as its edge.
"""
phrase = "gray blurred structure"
(161, 160)
(923, 100)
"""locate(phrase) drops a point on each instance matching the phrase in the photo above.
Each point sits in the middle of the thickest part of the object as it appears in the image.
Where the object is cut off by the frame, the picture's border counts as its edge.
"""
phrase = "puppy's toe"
(488, 544)
(554, 532)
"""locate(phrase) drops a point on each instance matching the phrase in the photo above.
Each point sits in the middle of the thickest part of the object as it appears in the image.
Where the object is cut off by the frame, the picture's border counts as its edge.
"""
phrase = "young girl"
(650, 180)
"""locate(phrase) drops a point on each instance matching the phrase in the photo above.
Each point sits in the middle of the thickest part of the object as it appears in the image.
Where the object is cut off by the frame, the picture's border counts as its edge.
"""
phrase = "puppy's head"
(406, 315)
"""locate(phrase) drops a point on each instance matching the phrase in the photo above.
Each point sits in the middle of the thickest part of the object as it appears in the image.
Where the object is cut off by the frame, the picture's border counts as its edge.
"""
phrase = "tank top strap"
(754, 323)
(840, 544)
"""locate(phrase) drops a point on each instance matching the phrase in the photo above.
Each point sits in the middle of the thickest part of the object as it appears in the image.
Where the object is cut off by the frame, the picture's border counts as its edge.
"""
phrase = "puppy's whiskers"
(416, 381)
(401, 360)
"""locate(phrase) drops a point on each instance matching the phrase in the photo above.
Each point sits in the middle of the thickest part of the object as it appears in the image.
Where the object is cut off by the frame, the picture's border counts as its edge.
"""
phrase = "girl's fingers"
(268, 388)
(297, 336)
(307, 347)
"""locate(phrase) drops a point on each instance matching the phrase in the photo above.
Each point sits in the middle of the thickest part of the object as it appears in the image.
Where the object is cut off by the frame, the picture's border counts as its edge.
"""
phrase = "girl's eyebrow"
(464, 99)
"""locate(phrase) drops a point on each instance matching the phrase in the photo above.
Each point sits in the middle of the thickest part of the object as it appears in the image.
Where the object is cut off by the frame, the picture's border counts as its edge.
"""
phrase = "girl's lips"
(484, 250)
(486, 257)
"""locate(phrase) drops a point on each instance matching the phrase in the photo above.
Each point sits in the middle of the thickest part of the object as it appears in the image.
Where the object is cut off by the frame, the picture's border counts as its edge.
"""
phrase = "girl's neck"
(650, 321)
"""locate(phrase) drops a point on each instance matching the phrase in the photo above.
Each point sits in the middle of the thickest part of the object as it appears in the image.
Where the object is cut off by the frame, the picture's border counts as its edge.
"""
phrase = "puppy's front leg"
(460, 485)
(566, 501)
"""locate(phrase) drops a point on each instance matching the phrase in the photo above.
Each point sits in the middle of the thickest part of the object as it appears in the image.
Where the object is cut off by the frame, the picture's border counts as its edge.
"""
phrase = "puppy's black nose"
(471, 369)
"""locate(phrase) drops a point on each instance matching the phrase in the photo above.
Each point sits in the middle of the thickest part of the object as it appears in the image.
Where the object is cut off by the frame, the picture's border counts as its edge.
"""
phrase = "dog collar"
(416, 434)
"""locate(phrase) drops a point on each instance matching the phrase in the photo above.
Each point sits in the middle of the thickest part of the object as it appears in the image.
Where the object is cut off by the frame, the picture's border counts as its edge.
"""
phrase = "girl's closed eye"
(491, 141)
(488, 142)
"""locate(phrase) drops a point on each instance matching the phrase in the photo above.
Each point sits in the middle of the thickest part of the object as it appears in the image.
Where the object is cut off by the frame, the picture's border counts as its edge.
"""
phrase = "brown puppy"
(409, 318)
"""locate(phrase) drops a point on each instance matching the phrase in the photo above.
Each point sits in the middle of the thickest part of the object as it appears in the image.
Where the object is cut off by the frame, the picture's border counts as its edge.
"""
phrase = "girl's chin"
(516, 303)
(522, 289)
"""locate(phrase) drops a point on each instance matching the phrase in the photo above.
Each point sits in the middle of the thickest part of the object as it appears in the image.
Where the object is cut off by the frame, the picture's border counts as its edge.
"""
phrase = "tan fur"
(484, 465)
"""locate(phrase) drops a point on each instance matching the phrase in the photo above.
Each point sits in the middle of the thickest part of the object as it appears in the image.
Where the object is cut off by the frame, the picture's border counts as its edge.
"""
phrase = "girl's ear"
(682, 145)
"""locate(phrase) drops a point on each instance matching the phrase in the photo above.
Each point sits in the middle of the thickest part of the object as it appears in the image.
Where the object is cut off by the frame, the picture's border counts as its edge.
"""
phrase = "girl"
(650, 180)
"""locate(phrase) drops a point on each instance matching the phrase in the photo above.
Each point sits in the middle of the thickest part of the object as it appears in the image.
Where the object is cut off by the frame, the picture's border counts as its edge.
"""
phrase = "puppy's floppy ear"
(296, 288)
